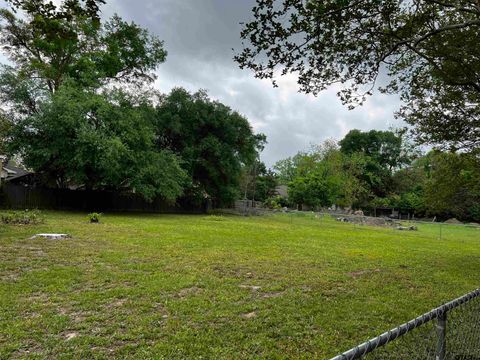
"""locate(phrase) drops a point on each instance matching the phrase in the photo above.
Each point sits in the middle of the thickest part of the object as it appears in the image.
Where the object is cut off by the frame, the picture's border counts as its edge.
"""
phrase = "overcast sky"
(199, 36)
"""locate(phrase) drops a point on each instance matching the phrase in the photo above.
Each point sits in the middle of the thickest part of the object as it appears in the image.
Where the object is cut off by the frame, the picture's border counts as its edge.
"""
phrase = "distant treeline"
(378, 169)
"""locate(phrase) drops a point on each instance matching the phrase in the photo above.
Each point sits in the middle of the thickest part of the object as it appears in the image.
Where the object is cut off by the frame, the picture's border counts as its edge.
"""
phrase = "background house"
(12, 173)
(282, 190)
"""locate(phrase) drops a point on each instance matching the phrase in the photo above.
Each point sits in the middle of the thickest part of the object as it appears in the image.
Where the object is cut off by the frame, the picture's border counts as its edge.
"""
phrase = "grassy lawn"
(175, 286)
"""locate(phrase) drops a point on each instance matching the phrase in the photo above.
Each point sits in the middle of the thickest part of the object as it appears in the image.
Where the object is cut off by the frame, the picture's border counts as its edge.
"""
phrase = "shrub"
(276, 202)
(94, 217)
(27, 217)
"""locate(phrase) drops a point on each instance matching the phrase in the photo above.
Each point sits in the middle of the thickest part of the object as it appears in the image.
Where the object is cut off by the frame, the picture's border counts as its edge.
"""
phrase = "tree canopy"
(451, 187)
(385, 147)
(97, 141)
(358, 174)
(51, 43)
(213, 141)
(429, 49)
(257, 182)
(325, 176)
(78, 107)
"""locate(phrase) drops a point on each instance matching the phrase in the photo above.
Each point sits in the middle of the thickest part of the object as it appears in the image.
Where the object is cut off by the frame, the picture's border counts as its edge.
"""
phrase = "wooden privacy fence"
(22, 197)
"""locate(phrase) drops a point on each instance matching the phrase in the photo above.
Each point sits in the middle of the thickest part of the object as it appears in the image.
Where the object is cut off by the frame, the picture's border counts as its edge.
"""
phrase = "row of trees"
(78, 109)
(425, 51)
(381, 169)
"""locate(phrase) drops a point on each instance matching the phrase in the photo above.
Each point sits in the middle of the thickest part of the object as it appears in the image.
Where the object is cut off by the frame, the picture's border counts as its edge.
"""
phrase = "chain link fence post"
(428, 343)
(442, 338)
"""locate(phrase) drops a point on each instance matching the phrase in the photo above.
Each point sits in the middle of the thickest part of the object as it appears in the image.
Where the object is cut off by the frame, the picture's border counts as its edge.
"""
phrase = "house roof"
(14, 172)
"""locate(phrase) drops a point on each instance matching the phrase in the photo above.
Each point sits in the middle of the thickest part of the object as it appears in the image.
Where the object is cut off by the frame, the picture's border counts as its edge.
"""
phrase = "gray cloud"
(199, 37)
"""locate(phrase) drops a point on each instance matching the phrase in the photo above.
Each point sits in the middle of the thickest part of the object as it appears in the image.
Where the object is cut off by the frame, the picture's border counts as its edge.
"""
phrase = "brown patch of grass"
(194, 290)
(359, 273)
(249, 315)
(272, 295)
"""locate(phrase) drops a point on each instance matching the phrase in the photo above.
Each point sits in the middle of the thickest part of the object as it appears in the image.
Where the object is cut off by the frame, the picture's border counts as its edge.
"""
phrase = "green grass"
(175, 287)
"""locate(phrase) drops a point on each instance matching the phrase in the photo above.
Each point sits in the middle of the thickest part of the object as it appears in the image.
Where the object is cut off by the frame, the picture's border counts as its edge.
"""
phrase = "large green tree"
(51, 43)
(325, 176)
(384, 153)
(302, 162)
(452, 187)
(97, 141)
(213, 141)
(65, 120)
(384, 147)
(429, 49)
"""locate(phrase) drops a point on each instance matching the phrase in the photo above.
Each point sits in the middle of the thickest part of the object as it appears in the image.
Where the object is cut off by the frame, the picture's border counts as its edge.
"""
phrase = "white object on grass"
(52, 236)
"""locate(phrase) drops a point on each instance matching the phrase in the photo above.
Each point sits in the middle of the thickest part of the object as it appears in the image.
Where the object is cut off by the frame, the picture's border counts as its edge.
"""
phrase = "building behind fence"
(25, 197)
(449, 332)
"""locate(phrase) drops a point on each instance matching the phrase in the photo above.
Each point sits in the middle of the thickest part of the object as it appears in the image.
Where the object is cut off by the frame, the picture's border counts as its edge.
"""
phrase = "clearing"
(177, 286)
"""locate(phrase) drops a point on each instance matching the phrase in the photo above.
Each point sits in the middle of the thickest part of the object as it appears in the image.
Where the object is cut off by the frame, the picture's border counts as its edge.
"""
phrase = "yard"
(177, 286)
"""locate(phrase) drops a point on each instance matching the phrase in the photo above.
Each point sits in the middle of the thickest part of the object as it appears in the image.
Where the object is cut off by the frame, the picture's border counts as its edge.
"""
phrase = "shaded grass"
(173, 286)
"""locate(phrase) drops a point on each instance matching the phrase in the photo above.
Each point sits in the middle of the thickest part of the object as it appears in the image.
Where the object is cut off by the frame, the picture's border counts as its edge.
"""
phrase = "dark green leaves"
(213, 141)
(429, 49)
(54, 43)
(97, 141)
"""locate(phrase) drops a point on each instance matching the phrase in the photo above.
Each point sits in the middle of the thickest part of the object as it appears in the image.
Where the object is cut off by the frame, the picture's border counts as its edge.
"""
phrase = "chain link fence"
(449, 332)
(434, 230)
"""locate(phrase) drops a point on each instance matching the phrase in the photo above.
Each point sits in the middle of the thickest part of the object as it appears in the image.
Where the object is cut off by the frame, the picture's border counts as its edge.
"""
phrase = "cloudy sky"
(199, 36)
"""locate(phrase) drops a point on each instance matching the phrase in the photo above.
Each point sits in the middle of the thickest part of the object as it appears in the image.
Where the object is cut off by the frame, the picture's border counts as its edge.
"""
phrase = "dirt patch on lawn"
(249, 315)
(194, 290)
(272, 295)
(70, 335)
(116, 303)
(360, 273)
(250, 287)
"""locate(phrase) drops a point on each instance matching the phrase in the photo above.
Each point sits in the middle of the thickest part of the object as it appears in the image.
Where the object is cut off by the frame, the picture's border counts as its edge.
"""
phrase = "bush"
(276, 202)
(27, 217)
(94, 217)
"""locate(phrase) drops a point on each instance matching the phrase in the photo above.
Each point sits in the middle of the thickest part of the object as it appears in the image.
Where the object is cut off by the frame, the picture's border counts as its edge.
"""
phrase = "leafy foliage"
(69, 122)
(442, 184)
(452, 188)
(257, 182)
(213, 141)
(27, 217)
(52, 43)
(429, 49)
(383, 151)
(383, 147)
(286, 169)
(103, 141)
(276, 202)
(5, 126)
(326, 176)
(94, 217)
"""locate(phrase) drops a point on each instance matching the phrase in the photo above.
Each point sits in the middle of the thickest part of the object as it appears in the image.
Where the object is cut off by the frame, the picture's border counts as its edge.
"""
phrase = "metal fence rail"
(454, 336)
